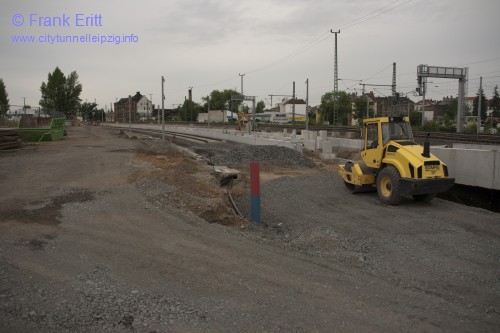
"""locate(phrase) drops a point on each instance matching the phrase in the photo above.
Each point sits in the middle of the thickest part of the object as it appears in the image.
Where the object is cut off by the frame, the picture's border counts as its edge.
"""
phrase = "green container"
(51, 133)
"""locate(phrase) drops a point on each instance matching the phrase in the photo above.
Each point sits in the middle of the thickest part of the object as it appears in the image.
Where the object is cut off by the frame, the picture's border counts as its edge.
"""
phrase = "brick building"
(140, 108)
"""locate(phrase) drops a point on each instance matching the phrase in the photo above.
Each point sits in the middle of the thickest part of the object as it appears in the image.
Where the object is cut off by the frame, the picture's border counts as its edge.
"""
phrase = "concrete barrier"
(313, 135)
(327, 147)
(476, 146)
(309, 144)
(472, 167)
(322, 136)
(347, 144)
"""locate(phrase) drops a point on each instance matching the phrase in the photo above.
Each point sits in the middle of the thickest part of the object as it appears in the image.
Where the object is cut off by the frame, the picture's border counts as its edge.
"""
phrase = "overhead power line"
(376, 13)
(373, 14)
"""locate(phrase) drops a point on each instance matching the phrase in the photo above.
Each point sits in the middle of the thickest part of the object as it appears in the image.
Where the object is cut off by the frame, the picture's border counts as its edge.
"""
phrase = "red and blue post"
(255, 192)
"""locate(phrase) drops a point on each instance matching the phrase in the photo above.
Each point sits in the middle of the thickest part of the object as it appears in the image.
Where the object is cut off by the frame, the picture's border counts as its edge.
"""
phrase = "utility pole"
(242, 75)
(152, 106)
(190, 92)
(479, 104)
(395, 98)
(208, 112)
(393, 80)
(162, 110)
(293, 104)
(129, 113)
(335, 80)
(367, 101)
(424, 87)
(279, 96)
(307, 104)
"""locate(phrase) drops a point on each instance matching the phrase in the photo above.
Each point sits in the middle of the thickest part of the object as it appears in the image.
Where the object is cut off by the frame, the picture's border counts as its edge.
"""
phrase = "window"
(372, 136)
(396, 131)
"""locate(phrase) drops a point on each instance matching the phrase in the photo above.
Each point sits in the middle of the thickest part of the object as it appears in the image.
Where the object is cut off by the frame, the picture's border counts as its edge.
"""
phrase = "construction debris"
(10, 139)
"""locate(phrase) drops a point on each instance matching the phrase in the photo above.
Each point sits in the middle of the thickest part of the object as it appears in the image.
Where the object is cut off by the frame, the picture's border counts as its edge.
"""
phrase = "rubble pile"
(245, 154)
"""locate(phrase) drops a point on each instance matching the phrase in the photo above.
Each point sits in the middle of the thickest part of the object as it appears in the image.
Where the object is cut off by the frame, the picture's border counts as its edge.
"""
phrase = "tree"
(4, 99)
(495, 103)
(484, 107)
(259, 108)
(450, 112)
(73, 90)
(190, 110)
(416, 118)
(87, 109)
(221, 100)
(360, 108)
(61, 93)
(344, 107)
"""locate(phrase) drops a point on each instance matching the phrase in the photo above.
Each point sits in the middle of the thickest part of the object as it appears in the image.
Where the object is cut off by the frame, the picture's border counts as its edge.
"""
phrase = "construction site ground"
(107, 232)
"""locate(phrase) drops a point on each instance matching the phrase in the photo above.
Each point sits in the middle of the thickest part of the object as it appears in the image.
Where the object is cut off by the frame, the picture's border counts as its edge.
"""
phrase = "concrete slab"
(347, 144)
(224, 171)
(327, 147)
(309, 144)
(313, 135)
(476, 146)
(327, 156)
(352, 135)
(472, 167)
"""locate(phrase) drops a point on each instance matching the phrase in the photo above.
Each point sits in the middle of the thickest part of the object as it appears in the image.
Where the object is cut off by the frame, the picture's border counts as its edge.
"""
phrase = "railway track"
(491, 139)
(173, 135)
(439, 136)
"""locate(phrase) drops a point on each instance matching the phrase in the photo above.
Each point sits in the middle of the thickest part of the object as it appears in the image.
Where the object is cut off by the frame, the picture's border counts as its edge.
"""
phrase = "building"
(428, 108)
(388, 106)
(138, 107)
(217, 116)
(290, 106)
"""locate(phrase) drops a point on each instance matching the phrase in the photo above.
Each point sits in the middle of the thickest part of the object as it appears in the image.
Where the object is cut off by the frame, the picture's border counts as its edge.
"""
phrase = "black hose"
(229, 180)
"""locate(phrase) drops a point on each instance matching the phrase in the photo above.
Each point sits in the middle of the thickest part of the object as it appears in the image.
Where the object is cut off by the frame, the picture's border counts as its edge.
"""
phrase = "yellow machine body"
(394, 165)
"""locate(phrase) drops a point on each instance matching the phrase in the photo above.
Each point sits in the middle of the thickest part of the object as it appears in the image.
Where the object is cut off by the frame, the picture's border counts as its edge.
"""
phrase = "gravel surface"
(244, 154)
(126, 235)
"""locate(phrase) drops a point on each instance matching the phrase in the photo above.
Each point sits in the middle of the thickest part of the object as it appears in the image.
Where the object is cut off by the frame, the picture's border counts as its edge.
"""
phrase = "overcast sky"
(206, 44)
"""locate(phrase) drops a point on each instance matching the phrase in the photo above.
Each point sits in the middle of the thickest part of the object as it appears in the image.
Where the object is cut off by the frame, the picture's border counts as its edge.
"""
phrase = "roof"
(136, 98)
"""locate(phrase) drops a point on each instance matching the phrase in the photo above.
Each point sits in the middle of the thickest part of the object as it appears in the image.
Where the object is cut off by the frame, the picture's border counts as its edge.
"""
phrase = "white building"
(217, 116)
(144, 108)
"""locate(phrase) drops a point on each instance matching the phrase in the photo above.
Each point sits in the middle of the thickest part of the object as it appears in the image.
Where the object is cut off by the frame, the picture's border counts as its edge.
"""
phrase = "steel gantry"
(424, 71)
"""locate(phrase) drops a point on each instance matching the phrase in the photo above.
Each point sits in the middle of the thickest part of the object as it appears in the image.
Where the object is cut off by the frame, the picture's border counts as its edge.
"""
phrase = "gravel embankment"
(242, 154)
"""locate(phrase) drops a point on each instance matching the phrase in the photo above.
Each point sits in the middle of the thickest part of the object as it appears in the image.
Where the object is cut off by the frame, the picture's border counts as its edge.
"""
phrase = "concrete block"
(319, 142)
(327, 147)
(224, 171)
(352, 135)
(323, 135)
(347, 144)
(313, 135)
(327, 156)
(471, 167)
(309, 144)
(299, 147)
